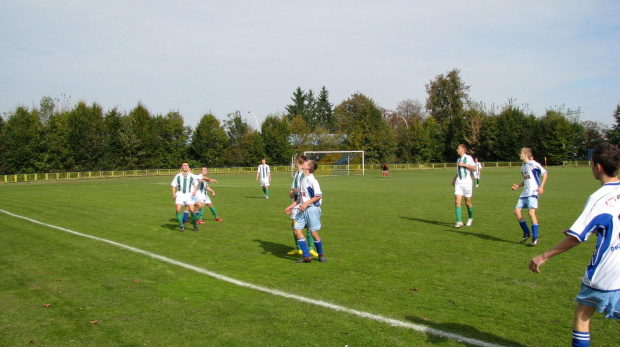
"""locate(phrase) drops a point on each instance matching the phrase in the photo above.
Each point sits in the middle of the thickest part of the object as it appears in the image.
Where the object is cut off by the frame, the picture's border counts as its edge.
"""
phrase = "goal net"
(338, 162)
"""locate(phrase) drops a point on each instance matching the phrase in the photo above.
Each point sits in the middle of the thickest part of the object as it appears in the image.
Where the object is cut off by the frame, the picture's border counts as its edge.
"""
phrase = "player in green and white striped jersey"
(463, 185)
(264, 173)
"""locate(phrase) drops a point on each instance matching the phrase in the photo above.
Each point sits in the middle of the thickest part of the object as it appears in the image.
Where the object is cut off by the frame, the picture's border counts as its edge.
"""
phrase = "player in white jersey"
(462, 183)
(264, 174)
(309, 215)
(477, 172)
(202, 195)
(184, 186)
(294, 195)
(534, 179)
(600, 288)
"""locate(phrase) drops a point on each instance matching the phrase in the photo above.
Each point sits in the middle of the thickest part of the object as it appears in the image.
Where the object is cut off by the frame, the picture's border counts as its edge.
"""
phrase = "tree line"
(51, 138)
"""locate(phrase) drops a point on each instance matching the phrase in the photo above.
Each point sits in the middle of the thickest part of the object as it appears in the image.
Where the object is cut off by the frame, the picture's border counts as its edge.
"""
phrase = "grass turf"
(390, 243)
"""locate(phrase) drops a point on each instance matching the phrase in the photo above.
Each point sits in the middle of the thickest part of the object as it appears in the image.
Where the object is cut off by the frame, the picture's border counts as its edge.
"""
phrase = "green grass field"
(391, 247)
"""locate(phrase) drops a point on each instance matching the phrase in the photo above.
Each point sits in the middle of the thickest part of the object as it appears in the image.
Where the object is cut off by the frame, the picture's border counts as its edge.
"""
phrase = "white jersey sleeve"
(600, 217)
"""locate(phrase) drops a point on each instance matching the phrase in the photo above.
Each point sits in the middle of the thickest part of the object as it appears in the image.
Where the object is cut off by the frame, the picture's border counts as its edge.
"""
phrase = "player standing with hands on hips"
(462, 183)
(534, 179)
(309, 215)
(600, 286)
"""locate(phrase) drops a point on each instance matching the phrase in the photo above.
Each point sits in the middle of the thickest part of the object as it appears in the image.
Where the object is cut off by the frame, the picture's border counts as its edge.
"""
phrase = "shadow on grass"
(460, 329)
(459, 230)
(428, 221)
(276, 249)
(482, 236)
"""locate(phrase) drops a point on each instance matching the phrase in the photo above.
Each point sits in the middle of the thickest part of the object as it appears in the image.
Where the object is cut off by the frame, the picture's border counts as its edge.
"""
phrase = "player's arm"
(454, 179)
(292, 206)
(211, 190)
(257, 173)
(517, 186)
(569, 242)
(541, 188)
(314, 199)
(269, 176)
(174, 192)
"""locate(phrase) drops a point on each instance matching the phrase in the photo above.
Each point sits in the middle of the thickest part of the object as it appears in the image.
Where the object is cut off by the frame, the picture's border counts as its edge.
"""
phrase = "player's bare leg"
(581, 325)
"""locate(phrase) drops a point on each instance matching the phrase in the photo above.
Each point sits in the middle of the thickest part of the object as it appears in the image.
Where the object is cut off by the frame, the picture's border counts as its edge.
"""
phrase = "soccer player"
(309, 215)
(264, 173)
(534, 179)
(384, 169)
(477, 172)
(294, 195)
(202, 197)
(463, 185)
(600, 286)
(184, 186)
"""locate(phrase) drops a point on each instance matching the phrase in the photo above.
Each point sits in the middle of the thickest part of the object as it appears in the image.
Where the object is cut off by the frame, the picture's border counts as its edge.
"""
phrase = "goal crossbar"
(341, 152)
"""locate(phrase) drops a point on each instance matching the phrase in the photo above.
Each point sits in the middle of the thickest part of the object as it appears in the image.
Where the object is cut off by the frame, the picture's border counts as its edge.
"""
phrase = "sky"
(202, 56)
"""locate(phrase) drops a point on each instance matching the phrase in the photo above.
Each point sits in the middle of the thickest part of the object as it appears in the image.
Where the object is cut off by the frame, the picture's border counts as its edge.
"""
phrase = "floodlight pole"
(256, 119)
(406, 125)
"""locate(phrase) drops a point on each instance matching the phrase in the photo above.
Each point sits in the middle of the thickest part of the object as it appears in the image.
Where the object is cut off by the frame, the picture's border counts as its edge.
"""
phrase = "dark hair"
(608, 157)
(313, 165)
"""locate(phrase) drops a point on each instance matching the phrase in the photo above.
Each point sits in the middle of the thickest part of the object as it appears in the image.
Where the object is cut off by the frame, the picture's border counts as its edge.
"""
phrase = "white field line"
(362, 314)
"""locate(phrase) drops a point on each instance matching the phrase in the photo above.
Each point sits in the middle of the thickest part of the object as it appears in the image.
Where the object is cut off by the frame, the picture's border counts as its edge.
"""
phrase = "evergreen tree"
(613, 135)
(325, 112)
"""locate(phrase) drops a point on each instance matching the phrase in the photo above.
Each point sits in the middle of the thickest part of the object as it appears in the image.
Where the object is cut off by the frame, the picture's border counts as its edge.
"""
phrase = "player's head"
(203, 170)
(525, 154)
(311, 165)
(476, 159)
(461, 149)
(263, 160)
(301, 159)
(607, 157)
(185, 166)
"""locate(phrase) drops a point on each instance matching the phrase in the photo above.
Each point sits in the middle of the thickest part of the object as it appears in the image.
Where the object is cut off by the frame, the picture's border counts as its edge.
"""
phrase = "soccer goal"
(338, 162)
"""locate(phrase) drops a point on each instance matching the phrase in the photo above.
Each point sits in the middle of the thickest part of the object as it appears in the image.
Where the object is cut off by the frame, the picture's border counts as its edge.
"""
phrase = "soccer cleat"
(313, 253)
(534, 242)
(295, 252)
(458, 224)
(182, 228)
(469, 221)
(200, 222)
(476, 186)
(196, 228)
(322, 258)
(304, 260)
(266, 197)
(218, 219)
(525, 237)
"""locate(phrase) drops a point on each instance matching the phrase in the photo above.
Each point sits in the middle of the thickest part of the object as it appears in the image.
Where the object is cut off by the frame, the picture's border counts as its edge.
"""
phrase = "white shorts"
(294, 212)
(476, 176)
(464, 189)
(264, 182)
(204, 198)
(184, 199)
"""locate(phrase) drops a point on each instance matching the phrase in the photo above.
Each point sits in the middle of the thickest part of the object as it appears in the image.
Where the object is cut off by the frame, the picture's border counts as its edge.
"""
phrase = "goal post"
(338, 162)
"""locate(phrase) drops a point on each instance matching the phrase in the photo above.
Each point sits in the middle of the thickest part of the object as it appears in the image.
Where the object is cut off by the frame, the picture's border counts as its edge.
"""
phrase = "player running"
(202, 195)
(184, 186)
